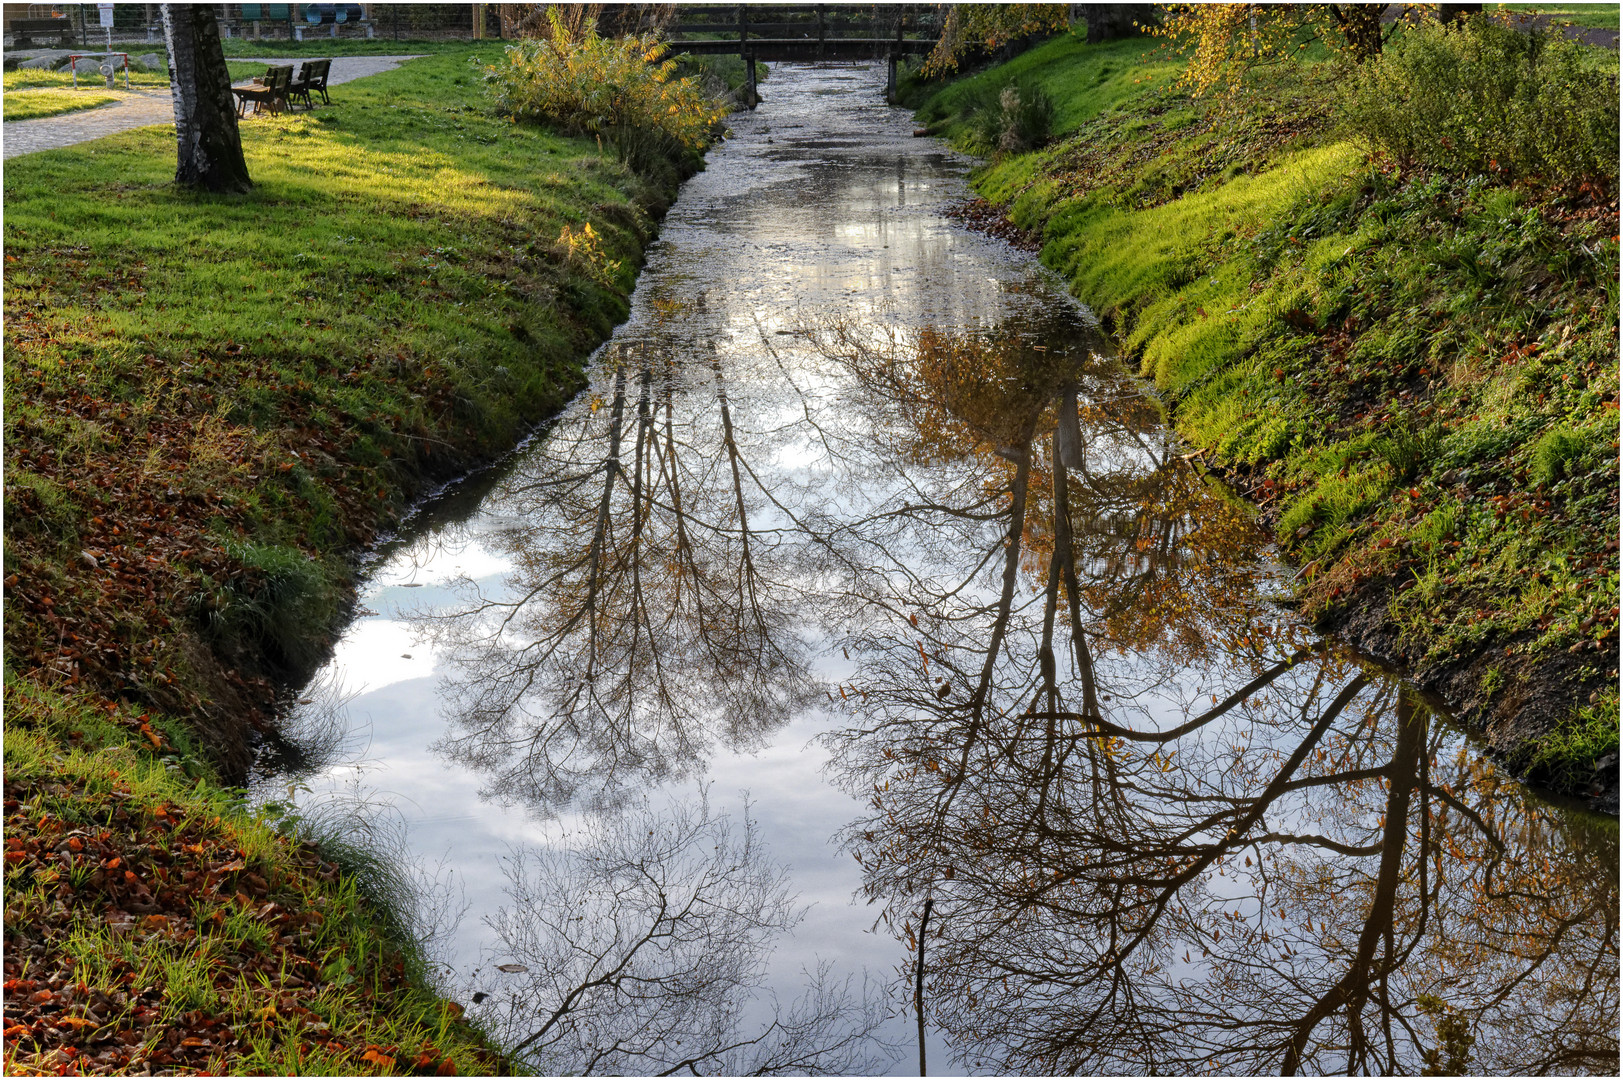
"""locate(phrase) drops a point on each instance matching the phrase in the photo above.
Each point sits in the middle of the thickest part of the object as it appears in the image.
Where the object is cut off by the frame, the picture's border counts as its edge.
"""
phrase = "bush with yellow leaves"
(622, 91)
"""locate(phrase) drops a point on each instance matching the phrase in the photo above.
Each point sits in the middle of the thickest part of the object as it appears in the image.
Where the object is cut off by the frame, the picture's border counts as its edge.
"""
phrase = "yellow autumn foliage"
(620, 90)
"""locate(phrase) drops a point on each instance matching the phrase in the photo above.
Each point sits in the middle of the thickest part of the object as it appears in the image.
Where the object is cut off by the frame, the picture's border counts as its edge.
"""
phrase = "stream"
(863, 576)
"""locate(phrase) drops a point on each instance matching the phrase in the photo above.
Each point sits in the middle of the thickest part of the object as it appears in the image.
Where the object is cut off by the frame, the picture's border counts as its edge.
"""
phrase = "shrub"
(1484, 98)
(619, 90)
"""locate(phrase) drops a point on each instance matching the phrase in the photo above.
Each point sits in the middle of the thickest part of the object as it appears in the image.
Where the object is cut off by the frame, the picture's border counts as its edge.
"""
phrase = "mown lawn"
(34, 104)
(1599, 16)
(39, 79)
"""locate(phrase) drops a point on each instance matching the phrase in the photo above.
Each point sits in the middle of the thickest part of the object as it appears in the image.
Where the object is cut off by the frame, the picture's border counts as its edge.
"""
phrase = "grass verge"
(1595, 16)
(1413, 375)
(151, 925)
(213, 400)
(35, 104)
(39, 79)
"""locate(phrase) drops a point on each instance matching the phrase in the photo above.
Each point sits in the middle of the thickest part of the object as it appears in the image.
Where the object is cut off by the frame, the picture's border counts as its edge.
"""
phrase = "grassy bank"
(212, 404)
(1413, 373)
(151, 925)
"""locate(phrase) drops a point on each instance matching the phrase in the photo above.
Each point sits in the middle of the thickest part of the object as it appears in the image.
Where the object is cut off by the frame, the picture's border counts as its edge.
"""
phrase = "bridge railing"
(818, 22)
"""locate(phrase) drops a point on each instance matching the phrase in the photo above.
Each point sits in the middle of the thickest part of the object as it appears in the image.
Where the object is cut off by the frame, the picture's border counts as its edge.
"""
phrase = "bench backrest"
(279, 77)
(316, 71)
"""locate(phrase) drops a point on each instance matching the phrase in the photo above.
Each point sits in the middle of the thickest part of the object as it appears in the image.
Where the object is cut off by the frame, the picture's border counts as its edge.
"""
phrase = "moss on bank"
(212, 404)
(1413, 375)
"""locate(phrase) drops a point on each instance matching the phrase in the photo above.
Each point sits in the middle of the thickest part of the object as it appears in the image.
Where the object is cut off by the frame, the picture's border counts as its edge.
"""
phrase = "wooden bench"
(312, 78)
(23, 31)
(272, 90)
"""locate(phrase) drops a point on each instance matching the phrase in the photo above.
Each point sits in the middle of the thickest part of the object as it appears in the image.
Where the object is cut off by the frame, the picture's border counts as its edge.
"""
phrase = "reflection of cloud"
(377, 653)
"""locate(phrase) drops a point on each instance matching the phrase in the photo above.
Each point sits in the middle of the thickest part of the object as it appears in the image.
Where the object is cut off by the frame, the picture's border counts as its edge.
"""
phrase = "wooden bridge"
(806, 32)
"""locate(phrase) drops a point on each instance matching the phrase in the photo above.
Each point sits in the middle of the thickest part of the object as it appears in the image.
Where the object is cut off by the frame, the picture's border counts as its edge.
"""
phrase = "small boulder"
(88, 66)
(151, 62)
(45, 63)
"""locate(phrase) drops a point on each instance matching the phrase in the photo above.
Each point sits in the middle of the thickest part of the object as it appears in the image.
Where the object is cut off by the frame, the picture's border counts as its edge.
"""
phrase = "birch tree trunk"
(210, 148)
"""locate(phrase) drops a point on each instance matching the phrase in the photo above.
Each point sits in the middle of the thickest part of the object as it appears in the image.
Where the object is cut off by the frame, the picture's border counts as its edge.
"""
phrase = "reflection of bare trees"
(1163, 829)
(1275, 888)
(1162, 833)
(636, 950)
(645, 617)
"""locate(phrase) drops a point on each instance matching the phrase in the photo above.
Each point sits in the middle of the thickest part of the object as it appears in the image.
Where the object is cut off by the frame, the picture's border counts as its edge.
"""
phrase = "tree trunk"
(1360, 26)
(210, 148)
(1106, 22)
(1456, 13)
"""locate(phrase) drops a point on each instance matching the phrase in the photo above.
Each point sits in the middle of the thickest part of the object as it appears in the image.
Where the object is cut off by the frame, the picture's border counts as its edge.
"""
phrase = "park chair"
(312, 77)
(272, 90)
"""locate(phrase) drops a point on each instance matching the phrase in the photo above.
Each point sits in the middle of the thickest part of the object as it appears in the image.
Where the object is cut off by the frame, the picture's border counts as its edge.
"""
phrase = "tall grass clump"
(1483, 98)
(622, 91)
(1013, 120)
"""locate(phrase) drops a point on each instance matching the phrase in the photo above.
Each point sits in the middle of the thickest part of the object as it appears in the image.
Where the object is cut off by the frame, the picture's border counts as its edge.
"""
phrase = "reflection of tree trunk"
(1062, 569)
(746, 582)
(1353, 987)
(1067, 432)
(1066, 551)
(594, 558)
(1011, 574)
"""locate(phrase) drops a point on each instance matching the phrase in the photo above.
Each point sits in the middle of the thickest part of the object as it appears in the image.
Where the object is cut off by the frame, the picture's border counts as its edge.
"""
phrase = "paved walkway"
(141, 108)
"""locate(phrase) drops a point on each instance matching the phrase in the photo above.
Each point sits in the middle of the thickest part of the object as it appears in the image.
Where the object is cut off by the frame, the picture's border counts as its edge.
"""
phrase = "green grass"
(1422, 369)
(1083, 81)
(34, 104)
(1598, 16)
(212, 400)
(1565, 758)
(319, 46)
(35, 79)
(242, 70)
(243, 934)
(390, 300)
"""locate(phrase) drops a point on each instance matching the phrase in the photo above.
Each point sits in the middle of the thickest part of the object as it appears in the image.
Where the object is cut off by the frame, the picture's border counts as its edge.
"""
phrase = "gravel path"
(145, 107)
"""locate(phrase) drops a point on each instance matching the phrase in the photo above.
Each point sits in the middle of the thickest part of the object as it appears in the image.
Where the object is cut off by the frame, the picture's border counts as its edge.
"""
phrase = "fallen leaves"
(174, 925)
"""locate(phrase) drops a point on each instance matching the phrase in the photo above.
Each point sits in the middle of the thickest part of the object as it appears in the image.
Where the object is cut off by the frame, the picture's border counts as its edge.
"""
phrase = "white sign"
(106, 15)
